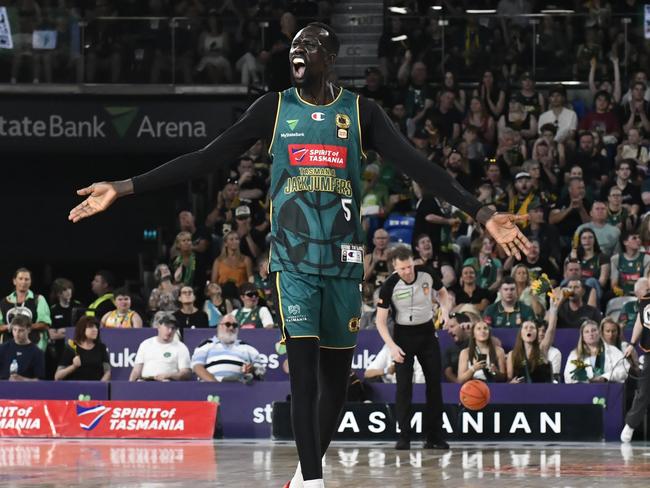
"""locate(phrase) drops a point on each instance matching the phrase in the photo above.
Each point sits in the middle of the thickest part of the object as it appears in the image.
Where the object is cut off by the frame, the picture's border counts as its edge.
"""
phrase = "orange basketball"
(474, 395)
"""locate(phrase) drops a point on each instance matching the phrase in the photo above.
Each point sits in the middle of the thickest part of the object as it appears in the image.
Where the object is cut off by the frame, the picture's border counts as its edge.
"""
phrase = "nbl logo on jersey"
(318, 155)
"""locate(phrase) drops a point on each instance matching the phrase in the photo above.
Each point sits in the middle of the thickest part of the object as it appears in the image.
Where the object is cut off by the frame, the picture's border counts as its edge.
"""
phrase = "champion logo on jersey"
(318, 116)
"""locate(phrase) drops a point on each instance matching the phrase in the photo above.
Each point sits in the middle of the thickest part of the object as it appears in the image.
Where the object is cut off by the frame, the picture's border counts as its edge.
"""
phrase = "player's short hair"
(333, 43)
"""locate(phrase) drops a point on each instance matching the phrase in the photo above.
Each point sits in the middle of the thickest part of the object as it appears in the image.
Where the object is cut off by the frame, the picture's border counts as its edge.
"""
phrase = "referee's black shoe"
(403, 444)
(433, 444)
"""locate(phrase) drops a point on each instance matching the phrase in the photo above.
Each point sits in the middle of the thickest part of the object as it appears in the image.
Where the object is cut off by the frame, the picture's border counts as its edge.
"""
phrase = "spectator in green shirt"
(509, 312)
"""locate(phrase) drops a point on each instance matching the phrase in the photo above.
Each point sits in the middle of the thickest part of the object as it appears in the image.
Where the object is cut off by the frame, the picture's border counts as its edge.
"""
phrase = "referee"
(409, 293)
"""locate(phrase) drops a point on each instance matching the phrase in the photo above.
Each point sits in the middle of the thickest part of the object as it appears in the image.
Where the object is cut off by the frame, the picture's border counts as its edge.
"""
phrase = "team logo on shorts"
(353, 324)
(293, 309)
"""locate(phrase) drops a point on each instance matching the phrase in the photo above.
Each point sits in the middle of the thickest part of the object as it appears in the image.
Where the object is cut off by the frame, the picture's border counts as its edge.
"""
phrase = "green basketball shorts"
(323, 307)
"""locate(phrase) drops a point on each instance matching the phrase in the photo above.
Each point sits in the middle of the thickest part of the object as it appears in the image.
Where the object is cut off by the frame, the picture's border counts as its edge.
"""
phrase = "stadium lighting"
(403, 37)
(480, 11)
(436, 7)
(556, 11)
(398, 10)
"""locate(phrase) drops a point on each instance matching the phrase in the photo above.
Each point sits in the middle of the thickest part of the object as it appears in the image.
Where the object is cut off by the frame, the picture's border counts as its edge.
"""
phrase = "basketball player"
(318, 135)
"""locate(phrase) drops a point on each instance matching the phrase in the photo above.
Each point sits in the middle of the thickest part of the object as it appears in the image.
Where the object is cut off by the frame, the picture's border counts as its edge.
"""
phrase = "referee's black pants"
(639, 406)
(419, 341)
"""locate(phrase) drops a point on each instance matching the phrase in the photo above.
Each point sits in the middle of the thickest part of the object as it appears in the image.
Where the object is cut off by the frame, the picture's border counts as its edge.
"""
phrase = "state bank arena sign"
(113, 126)
(107, 419)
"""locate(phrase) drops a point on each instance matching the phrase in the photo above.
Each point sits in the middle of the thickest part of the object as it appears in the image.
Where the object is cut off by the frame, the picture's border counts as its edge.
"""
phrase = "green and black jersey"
(316, 187)
(315, 178)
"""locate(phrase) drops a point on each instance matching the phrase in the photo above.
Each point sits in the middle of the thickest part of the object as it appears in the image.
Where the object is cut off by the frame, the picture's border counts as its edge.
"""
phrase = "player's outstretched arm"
(256, 123)
(380, 134)
(100, 196)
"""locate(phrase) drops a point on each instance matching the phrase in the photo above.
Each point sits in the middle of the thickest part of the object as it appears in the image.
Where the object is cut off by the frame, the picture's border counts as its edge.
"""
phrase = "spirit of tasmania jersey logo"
(318, 155)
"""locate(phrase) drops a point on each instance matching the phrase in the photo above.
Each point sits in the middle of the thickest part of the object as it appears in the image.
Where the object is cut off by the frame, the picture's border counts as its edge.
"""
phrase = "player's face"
(308, 57)
(405, 269)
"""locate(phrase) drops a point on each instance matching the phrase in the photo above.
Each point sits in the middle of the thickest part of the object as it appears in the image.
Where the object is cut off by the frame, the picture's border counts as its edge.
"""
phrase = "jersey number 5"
(345, 203)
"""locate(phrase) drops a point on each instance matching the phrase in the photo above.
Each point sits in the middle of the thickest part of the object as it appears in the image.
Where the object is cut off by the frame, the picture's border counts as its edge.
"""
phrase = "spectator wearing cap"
(162, 357)
(602, 119)
(251, 315)
(251, 241)
(560, 116)
(225, 358)
(523, 195)
(188, 316)
(31, 363)
(375, 88)
(546, 234)
(594, 165)
(608, 235)
(509, 311)
(627, 267)
(458, 329)
(457, 166)
(531, 100)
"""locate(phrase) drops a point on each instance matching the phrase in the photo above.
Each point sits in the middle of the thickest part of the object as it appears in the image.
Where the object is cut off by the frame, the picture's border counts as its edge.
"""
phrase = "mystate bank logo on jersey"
(318, 155)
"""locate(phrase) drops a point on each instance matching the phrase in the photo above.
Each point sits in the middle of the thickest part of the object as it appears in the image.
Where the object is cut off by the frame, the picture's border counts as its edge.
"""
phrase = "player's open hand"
(100, 197)
(503, 227)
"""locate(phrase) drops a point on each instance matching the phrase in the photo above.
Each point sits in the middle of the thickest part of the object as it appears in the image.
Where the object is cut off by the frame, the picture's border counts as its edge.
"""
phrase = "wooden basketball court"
(241, 464)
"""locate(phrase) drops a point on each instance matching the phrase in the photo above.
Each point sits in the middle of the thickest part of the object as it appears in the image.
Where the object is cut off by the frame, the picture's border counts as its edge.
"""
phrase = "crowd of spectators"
(224, 42)
(580, 173)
